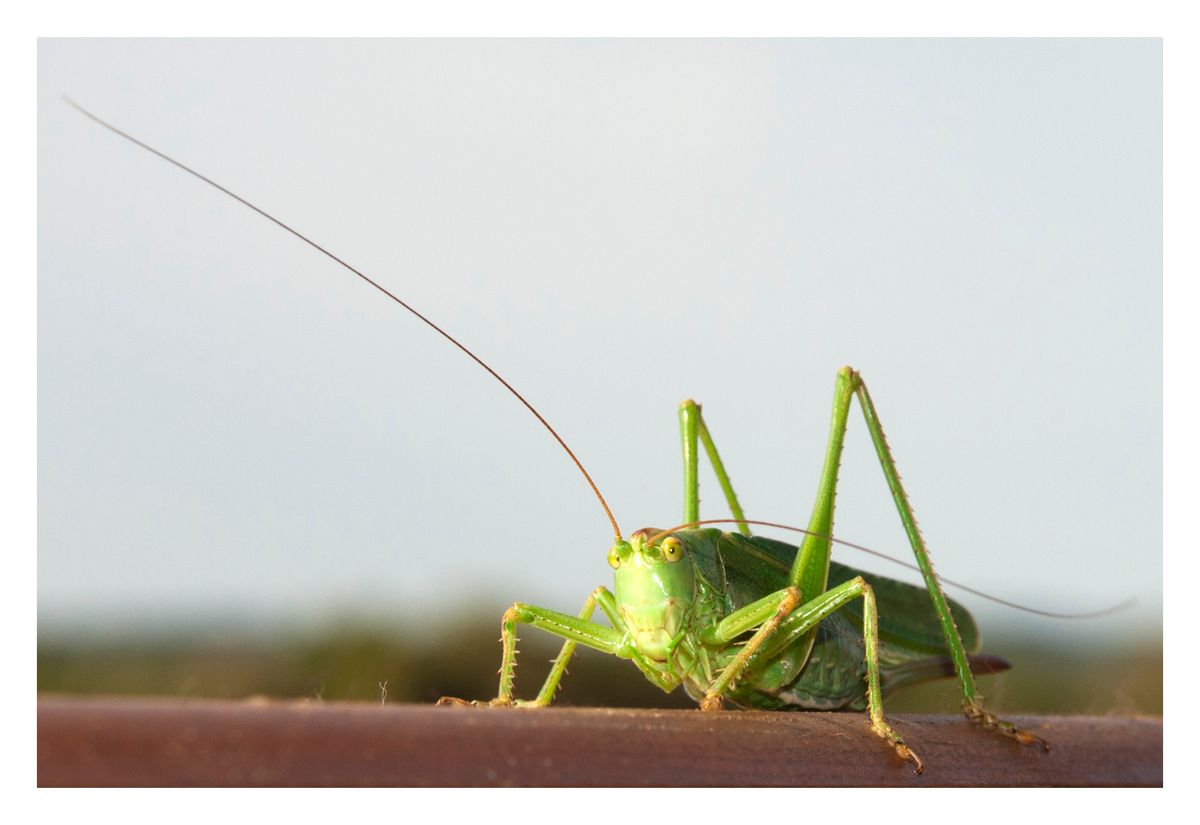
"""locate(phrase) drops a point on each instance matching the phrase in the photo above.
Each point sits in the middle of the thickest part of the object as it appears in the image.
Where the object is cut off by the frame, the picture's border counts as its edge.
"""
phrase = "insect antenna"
(1095, 614)
(579, 464)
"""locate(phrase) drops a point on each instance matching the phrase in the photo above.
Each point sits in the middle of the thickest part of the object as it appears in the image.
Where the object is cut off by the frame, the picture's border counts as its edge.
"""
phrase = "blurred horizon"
(133, 624)
(352, 659)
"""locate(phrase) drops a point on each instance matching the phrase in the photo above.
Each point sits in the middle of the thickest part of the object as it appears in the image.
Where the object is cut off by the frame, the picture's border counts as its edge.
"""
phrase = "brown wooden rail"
(154, 742)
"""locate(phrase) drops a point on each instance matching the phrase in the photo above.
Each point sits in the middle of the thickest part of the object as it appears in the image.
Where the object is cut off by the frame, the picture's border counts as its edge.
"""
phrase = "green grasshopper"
(744, 619)
(763, 624)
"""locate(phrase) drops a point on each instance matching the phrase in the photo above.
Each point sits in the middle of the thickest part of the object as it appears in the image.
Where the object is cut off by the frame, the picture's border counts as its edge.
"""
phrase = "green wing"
(744, 569)
(748, 568)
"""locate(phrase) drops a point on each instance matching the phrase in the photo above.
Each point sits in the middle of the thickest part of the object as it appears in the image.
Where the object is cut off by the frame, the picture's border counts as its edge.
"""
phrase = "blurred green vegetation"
(352, 660)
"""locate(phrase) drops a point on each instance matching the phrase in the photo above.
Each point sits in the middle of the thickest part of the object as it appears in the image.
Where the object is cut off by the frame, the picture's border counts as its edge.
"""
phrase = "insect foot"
(975, 712)
(712, 703)
(498, 702)
(451, 701)
(902, 750)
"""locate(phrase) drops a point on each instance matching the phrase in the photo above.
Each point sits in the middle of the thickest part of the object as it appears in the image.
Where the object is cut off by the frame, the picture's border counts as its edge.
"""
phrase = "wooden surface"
(154, 742)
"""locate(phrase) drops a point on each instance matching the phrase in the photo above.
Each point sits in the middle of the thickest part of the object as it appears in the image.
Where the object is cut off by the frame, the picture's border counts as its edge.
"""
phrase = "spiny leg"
(874, 696)
(767, 614)
(571, 628)
(614, 642)
(972, 703)
(807, 616)
(559, 668)
(692, 429)
(810, 571)
(602, 596)
(576, 630)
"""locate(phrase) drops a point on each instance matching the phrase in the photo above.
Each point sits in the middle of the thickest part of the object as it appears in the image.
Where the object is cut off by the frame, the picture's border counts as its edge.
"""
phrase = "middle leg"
(692, 429)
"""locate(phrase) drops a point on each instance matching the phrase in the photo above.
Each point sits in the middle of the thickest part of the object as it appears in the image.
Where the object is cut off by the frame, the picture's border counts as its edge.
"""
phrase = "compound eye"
(672, 548)
(614, 558)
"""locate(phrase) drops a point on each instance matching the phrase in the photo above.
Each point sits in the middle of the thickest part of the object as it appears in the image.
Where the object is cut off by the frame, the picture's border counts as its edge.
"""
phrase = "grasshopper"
(734, 617)
(742, 619)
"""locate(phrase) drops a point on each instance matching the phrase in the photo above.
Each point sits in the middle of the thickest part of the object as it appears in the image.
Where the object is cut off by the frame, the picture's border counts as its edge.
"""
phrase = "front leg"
(575, 630)
(660, 675)
(601, 596)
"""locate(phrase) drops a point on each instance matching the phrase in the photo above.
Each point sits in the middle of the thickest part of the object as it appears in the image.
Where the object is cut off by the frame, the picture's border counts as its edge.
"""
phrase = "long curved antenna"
(612, 520)
(1095, 614)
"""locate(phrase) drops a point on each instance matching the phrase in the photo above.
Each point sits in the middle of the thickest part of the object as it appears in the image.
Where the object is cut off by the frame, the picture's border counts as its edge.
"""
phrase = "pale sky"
(232, 426)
